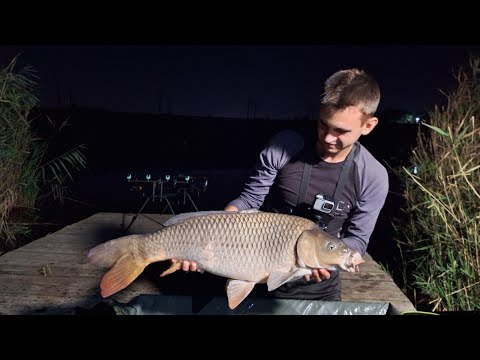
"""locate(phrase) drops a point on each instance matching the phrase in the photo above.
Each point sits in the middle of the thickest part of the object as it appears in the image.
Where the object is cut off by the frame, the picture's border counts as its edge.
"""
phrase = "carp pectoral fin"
(125, 270)
(278, 278)
(174, 267)
(237, 291)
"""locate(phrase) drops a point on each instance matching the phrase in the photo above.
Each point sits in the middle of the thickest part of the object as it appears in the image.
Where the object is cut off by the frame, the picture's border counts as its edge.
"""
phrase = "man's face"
(338, 131)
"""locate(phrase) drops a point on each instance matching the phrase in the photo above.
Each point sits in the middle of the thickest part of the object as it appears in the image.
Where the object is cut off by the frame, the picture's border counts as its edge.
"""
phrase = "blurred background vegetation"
(439, 230)
(31, 174)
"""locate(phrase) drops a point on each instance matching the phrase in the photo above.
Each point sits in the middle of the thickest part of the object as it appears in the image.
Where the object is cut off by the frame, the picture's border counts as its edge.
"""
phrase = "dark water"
(113, 192)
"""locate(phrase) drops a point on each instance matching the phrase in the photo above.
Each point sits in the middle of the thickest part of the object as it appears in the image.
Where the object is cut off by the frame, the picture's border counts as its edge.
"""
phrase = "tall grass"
(26, 174)
(440, 235)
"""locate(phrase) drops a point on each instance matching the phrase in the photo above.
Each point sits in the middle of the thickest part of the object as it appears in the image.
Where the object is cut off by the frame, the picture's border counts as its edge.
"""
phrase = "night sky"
(233, 81)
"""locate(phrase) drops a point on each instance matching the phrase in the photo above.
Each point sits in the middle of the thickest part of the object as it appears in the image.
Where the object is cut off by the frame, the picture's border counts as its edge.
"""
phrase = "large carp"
(247, 247)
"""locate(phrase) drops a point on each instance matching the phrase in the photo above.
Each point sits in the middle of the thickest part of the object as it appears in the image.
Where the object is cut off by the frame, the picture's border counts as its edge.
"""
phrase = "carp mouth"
(351, 262)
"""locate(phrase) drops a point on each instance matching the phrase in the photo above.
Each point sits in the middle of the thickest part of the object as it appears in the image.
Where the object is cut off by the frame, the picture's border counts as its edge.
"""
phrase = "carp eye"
(331, 246)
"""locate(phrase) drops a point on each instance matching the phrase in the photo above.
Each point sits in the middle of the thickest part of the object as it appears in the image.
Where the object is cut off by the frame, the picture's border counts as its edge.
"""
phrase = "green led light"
(167, 177)
(129, 176)
(187, 178)
(148, 176)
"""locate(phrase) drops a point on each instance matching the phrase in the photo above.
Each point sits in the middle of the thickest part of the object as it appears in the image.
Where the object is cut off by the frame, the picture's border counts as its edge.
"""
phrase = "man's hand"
(230, 208)
(318, 275)
(188, 265)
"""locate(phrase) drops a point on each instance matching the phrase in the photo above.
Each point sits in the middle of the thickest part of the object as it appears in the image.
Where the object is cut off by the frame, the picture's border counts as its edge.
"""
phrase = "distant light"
(129, 176)
(414, 170)
(417, 119)
(148, 176)
(187, 178)
(167, 177)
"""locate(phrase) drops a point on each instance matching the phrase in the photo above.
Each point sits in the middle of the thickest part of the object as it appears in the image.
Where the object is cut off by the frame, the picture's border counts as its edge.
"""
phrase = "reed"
(439, 234)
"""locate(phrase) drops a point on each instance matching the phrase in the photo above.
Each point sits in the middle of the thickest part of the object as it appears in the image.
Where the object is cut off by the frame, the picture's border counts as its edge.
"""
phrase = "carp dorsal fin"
(278, 278)
(182, 217)
(249, 211)
(237, 291)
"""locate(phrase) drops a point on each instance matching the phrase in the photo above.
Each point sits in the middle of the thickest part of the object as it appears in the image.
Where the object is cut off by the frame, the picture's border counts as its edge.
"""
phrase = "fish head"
(318, 249)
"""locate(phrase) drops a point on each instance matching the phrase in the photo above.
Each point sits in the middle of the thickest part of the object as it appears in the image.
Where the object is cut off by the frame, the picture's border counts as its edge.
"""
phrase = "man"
(330, 178)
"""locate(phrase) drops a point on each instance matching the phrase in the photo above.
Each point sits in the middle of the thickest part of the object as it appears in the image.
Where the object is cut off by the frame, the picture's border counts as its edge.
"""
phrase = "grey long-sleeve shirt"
(278, 174)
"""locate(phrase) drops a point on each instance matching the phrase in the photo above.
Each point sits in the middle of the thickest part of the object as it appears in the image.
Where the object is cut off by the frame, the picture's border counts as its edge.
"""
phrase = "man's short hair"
(352, 87)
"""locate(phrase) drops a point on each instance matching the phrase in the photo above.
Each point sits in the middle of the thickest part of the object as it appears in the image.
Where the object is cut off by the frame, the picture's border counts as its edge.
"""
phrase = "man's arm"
(362, 220)
(272, 158)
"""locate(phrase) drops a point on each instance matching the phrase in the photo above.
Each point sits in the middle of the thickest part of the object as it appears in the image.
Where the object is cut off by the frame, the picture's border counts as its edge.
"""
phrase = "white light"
(417, 119)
